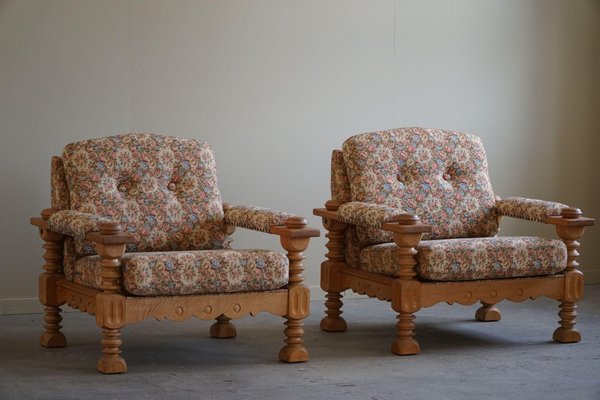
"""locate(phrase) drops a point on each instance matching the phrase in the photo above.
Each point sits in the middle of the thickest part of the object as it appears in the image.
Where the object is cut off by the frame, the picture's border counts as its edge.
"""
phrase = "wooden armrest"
(570, 217)
(39, 222)
(295, 227)
(103, 238)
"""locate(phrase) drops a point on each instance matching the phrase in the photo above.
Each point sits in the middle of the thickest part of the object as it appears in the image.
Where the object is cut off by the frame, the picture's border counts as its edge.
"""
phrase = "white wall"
(275, 85)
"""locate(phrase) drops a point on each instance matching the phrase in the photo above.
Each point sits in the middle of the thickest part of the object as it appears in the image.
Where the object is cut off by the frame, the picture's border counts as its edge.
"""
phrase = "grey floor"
(460, 359)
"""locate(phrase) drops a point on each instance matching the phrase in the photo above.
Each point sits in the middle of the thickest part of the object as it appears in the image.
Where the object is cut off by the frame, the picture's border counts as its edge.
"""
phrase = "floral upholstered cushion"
(340, 187)
(191, 272)
(163, 190)
(471, 259)
(440, 176)
(256, 218)
(366, 214)
(531, 209)
(70, 257)
(340, 190)
(76, 224)
(59, 192)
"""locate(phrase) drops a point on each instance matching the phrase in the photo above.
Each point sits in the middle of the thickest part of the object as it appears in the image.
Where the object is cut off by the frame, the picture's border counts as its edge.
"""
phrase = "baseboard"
(21, 306)
(592, 277)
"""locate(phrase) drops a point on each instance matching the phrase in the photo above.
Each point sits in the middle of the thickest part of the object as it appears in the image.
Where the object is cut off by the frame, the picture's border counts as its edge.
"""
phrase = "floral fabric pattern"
(340, 190)
(340, 186)
(76, 224)
(366, 214)
(191, 272)
(256, 218)
(59, 192)
(161, 189)
(472, 259)
(70, 257)
(440, 176)
(531, 209)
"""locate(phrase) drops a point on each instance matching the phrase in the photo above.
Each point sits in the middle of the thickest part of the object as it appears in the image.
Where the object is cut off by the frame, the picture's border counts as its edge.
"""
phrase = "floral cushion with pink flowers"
(340, 191)
(190, 272)
(161, 189)
(440, 176)
(531, 209)
(257, 218)
(471, 259)
(59, 192)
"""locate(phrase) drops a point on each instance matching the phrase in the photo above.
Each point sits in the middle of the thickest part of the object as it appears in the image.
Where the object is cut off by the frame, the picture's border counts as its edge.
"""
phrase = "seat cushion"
(191, 272)
(475, 258)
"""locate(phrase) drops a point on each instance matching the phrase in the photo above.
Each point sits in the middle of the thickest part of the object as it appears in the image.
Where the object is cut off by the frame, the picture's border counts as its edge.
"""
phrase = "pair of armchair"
(137, 229)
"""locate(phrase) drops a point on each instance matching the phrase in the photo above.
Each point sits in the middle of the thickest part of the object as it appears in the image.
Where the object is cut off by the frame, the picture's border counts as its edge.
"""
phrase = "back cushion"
(162, 189)
(59, 191)
(340, 190)
(441, 176)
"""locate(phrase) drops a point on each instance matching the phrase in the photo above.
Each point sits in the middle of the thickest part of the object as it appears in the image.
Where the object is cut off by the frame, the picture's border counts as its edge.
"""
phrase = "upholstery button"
(399, 177)
(447, 176)
(172, 186)
(122, 188)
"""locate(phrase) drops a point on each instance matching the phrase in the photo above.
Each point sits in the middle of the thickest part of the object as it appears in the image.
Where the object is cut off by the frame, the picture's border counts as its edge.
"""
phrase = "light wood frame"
(408, 294)
(114, 310)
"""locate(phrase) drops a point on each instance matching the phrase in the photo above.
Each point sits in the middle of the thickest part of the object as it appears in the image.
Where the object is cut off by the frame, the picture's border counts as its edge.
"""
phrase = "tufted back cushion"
(162, 189)
(441, 176)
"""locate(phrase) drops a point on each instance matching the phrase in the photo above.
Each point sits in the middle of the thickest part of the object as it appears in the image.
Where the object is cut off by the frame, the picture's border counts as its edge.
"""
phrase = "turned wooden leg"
(333, 322)
(52, 337)
(298, 294)
(331, 278)
(566, 333)
(406, 290)
(294, 351)
(111, 362)
(570, 229)
(53, 246)
(405, 344)
(223, 329)
(110, 304)
(487, 313)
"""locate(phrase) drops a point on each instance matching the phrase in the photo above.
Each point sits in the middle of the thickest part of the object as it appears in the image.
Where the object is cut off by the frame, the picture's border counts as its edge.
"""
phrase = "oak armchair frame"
(114, 309)
(408, 294)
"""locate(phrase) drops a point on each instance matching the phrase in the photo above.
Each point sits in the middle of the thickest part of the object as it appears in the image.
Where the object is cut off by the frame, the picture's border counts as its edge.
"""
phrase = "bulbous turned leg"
(111, 362)
(223, 329)
(294, 351)
(487, 313)
(566, 333)
(333, 322)
(405, 344)
(52, 336)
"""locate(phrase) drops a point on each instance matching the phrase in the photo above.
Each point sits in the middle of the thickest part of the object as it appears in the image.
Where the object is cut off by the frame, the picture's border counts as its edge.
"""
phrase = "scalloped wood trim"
(363, 282)
(79, 297)
(492, 291)
(179, 308)
(465, 293)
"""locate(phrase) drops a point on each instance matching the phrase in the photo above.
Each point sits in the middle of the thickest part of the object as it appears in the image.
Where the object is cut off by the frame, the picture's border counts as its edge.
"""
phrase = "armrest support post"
(298, 293)
(53, 249)
(111, 254)
(406, 290)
